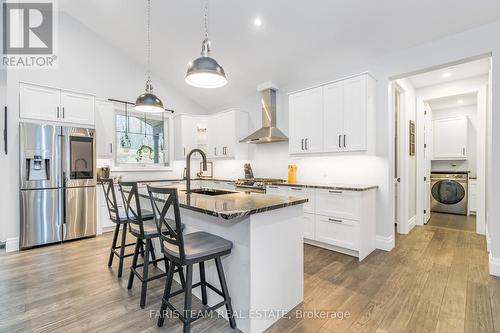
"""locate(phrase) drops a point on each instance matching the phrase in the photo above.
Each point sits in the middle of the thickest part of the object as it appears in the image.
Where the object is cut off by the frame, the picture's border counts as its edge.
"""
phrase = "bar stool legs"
(113, 245)
(113, 251)
(225, 291)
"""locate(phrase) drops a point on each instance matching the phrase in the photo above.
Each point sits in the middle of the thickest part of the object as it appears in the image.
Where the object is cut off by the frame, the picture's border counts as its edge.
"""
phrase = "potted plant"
(125, 143)
(144, 151)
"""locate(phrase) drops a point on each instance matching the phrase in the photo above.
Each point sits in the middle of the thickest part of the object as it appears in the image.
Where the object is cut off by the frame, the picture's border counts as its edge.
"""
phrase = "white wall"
(87, 64)
(471, 163)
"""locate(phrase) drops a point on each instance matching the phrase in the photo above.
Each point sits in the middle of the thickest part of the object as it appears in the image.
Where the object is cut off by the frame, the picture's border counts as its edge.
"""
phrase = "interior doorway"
(441, 121)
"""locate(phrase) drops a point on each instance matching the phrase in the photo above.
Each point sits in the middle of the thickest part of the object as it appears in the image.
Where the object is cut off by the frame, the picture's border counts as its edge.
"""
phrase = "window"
(141, 139)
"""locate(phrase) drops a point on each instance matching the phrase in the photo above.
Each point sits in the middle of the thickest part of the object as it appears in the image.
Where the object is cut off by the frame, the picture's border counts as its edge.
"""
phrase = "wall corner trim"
(494, 266)
(12, 244)
(385, 243)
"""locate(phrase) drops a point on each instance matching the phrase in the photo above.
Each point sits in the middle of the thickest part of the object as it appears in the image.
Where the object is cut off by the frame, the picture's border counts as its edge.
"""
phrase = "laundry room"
(442, 118)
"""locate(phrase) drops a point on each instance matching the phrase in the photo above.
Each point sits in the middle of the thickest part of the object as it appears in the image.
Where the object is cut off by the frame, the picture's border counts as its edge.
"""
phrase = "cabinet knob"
(335, 220)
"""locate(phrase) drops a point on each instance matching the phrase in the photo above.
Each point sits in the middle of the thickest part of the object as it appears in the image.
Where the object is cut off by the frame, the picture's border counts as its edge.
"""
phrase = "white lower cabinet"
(338, 232)
(104, 223)
(472, 196)
(309, 225)
(219, 184)
(342, 221)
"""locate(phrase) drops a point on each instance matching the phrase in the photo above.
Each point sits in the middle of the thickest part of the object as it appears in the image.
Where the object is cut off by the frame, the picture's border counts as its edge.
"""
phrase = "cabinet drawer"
(309, 225)
(276, 190)
(341, 204)
(309, 193)
(338, 232)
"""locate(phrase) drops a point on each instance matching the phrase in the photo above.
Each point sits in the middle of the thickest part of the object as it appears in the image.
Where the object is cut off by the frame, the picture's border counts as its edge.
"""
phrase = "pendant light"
(205, 72)
(148, 102)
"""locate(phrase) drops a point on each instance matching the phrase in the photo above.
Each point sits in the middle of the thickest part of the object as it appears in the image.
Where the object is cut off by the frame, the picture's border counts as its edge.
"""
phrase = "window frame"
(168, 140)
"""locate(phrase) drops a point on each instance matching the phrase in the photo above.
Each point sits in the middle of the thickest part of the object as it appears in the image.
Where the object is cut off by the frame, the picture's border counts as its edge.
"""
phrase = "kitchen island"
(265, 268)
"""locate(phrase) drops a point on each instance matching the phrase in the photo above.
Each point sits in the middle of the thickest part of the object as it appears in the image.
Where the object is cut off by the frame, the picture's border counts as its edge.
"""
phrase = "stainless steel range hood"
(268, 132)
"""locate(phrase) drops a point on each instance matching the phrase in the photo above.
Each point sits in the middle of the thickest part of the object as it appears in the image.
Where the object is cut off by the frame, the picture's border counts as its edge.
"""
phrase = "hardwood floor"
(459, 222)
(435, 280)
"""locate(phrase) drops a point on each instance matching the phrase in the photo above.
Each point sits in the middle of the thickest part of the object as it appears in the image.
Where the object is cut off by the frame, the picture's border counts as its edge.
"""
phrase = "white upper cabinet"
(77, 108)
(450, 138)
(332, 118)
(217, 135)
(306, 117)
(105, 129)
(37, 102)
(190, 133)
(51, 104)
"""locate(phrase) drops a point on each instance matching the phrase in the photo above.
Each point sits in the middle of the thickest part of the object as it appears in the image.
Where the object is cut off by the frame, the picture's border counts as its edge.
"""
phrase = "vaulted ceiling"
(298, 40)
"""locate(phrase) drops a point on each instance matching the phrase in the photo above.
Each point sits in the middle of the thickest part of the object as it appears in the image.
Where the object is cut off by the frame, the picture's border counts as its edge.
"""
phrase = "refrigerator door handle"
(5, 136)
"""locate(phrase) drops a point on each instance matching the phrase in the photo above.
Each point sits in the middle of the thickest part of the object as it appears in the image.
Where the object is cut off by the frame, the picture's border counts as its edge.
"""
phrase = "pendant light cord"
(148, 33)
(206, 19)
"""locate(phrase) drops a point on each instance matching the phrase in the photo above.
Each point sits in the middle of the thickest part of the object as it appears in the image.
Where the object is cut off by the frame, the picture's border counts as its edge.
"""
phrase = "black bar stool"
(144, 229)
(119, 217)
(188, 250)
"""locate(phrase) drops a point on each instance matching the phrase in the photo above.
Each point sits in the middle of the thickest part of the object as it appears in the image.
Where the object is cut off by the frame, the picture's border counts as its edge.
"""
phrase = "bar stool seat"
(146, 215)
(150, 229)
(200, 245)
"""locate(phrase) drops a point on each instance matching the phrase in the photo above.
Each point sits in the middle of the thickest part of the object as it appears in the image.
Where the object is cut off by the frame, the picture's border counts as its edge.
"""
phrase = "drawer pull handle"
(336, 192)
(296, 189)
(273, 186)
(335, 221)
(229, 183)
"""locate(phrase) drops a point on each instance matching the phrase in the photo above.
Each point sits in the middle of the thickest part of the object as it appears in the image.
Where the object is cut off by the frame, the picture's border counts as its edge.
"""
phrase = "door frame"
(401, 186)
(481, 153)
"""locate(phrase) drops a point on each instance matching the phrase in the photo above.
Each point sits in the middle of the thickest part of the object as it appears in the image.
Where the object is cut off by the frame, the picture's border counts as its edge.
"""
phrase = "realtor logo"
(28, 32)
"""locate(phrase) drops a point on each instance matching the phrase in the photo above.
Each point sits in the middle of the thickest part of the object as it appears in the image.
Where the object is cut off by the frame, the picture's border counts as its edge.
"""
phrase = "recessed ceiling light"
(460, 101)
(257, 22)
(446, 74)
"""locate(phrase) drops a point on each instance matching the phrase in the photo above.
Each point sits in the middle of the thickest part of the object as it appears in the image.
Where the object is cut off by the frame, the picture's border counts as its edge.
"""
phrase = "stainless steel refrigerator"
(57, 183)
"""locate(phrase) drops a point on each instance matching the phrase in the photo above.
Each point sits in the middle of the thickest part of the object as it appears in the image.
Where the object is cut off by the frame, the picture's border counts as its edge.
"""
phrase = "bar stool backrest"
(130, 195)
(168, 234)
(108, 187)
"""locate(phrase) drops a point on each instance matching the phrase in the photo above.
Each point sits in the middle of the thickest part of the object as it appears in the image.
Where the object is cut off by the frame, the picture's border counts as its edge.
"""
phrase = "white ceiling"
(453, 101)
(298, 40)
(458, 72)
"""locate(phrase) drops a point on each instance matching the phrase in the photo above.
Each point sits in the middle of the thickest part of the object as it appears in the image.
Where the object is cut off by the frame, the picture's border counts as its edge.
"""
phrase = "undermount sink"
(212, 192)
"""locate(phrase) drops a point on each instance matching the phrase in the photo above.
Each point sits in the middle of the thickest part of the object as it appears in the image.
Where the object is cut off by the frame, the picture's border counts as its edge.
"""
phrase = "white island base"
(264, 271)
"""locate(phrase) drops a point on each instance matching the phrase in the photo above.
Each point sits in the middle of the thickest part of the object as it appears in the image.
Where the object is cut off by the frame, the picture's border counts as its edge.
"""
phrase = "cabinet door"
(77, 108)
(309, 225)
(309, 193)
(226, 133)
(297, 122)
(333, 96)
(354, 137)
(338, 232)
(37, 102)
(340, 204)
(450, 139)
(105, 128)
(214, 131)
(313, 121)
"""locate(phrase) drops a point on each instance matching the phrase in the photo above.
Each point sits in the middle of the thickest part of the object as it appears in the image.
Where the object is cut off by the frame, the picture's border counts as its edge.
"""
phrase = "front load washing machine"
(449, 192)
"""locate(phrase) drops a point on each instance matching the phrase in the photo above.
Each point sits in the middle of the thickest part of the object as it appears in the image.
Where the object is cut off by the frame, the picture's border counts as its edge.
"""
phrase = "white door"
(297, 112)
(36, 102)
(226, 134)
(77, 108)
(105, 128)
(354, 137)
(313, 121)
(333, 99)
(397, 161)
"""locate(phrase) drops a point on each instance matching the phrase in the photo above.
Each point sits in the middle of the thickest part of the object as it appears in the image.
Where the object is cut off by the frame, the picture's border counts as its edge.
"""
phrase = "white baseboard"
(12, 244)
(494, 265)
(385, 243)
(411, 223)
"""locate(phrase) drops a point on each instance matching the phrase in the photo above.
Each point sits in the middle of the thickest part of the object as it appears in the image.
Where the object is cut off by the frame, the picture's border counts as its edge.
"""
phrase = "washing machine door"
(448, 192)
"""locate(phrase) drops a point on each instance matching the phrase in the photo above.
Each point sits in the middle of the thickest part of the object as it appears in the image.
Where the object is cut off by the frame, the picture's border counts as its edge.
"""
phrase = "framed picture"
(209, 174)
(412, 140)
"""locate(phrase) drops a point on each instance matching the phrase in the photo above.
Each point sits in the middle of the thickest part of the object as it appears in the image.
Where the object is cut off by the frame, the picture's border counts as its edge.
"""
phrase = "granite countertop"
(233, 205)
(340, 187)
